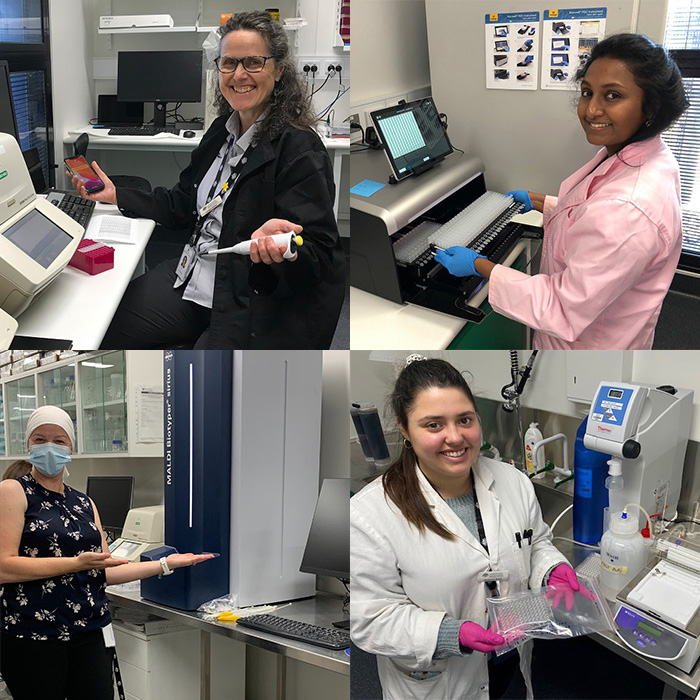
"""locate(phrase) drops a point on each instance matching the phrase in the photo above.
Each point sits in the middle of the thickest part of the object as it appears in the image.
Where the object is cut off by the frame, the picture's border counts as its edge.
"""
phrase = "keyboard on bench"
(140, 130)
(328, 637)
(70, 203)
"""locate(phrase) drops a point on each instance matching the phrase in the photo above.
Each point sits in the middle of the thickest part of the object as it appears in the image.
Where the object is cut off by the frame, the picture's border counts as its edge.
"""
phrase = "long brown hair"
(400, 479)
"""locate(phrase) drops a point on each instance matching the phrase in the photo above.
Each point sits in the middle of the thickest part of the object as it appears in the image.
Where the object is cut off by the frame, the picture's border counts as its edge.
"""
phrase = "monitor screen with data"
(414, 139)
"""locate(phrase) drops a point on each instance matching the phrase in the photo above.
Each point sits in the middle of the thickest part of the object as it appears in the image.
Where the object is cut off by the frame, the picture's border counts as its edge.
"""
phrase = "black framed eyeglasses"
(253, 64)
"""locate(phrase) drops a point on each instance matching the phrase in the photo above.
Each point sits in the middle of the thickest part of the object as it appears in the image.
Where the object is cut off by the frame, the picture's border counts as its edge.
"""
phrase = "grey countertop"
(322, 610)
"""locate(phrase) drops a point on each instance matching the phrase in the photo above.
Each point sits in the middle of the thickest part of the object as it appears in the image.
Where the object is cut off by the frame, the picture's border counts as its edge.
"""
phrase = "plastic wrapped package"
(548, 613)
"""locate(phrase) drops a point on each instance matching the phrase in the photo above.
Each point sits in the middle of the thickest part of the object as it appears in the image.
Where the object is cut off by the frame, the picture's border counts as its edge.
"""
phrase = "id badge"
(210, 206)
(108, 634)
(185, 264)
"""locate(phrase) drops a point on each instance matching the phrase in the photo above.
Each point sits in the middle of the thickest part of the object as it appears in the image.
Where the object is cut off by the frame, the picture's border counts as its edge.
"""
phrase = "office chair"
(134, 182)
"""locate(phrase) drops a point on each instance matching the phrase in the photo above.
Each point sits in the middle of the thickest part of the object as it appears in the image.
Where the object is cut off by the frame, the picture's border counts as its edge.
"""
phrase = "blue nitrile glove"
(458, 260)
(523, 197)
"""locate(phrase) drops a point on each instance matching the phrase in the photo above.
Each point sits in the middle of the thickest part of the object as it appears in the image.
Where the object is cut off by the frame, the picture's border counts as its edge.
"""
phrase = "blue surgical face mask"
(49, 458)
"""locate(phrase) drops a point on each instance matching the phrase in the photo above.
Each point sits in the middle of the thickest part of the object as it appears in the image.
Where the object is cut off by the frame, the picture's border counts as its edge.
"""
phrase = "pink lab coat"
(611, 245)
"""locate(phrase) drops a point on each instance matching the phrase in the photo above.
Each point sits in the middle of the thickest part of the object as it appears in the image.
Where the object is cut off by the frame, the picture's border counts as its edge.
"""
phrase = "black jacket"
(281, 306)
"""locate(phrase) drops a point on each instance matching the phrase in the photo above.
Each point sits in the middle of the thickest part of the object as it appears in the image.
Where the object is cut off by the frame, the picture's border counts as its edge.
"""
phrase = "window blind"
(29, 98)
(683, 34)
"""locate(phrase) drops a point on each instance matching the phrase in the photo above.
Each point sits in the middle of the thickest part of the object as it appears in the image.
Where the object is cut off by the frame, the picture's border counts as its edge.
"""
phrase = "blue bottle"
(590, 494)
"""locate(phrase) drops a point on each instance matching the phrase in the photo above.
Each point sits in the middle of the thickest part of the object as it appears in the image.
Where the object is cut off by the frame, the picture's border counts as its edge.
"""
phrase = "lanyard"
(213, 202)
(491, 584)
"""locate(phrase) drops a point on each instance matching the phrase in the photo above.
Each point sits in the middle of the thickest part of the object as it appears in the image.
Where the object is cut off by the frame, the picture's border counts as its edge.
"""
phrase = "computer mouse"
(189, 134)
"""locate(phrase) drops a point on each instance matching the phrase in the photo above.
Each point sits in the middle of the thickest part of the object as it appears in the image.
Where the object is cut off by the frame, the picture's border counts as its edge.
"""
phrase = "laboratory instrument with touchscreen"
(37, 240)
(397, 229)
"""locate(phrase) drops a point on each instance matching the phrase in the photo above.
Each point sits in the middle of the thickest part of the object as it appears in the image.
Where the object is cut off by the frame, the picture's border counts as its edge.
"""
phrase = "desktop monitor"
(8, 119)
(327, 550)
(111, 112)
(37, 240)
(159, 77)
(413, 136)
(113, 496)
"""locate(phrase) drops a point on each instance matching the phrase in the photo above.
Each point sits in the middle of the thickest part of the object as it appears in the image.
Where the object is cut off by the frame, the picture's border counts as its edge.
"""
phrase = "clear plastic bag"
(542, 613)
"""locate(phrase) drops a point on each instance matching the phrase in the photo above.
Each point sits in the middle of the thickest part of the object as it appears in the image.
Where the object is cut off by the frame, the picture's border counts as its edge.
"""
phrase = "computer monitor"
(327, 550)
(414, 138)
(159, 77)
(8, 118)
(111, 112)
(113, 496)
(37, 240)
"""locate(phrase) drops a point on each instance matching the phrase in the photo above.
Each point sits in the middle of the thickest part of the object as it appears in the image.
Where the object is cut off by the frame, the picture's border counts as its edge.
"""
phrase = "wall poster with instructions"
(512, 50)
(568, 37)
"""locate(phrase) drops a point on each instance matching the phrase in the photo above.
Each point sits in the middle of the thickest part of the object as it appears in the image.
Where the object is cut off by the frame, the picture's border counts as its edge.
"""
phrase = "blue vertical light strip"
(191, 440)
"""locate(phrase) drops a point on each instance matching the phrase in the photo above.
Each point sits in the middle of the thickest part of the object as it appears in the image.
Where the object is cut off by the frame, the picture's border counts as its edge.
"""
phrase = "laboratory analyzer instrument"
(645, 428)
(241, 468)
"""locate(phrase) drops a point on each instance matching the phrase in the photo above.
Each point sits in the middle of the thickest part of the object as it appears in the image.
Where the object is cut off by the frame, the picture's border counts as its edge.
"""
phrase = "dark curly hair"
(656, 73)
(289, 102)
(400, 480)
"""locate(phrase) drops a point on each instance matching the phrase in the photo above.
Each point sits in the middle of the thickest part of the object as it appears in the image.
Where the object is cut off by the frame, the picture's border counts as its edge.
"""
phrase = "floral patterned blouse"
(57, 608)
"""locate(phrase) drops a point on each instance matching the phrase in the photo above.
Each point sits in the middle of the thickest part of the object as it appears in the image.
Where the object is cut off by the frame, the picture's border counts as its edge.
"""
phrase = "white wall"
(335, 432)
(546, 389)
(390, 49)
(71, 69)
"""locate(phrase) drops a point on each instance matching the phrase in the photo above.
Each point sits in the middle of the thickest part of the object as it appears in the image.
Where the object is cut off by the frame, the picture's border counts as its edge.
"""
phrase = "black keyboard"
(328, 637)
(72, 204)
(140, 130)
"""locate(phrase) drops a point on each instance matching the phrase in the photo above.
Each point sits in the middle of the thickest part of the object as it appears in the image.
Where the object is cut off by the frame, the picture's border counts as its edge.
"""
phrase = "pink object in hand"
(476, 637)
(565, 583)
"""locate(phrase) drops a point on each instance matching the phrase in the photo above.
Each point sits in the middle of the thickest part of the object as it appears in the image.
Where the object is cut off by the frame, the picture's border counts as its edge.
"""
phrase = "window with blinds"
(30, 108)
(682, 38)
(24, 44)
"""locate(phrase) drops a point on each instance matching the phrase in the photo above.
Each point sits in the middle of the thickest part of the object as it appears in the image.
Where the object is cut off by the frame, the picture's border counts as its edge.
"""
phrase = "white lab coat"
(403, 582)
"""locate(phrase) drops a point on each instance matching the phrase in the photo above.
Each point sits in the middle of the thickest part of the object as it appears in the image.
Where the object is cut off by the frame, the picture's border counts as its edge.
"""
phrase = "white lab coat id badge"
(108, 634)
(185, 264)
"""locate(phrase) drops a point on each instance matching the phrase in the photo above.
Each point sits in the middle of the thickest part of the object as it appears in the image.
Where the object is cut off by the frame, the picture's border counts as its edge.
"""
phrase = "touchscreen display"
(39, 237)
(413, 136)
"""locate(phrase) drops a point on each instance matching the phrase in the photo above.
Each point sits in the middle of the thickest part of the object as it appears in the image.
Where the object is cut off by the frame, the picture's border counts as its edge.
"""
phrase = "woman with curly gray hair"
(259, 170)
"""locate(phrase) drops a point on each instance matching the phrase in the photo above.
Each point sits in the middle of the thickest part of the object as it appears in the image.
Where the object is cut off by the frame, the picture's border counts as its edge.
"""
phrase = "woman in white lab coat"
(420, 575)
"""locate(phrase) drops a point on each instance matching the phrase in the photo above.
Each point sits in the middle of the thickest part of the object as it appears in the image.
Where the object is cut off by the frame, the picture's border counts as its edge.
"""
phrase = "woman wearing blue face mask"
(54, 566)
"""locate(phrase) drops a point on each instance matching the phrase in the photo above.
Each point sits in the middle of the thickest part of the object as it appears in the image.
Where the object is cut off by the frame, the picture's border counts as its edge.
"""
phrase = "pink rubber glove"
(476, 637)
(565, 583)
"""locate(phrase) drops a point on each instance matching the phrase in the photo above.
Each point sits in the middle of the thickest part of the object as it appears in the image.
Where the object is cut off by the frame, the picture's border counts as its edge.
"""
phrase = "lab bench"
(321, 610)
(673, 678)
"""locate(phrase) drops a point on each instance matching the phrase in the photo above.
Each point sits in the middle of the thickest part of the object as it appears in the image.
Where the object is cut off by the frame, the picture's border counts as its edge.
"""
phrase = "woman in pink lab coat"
(613, 236)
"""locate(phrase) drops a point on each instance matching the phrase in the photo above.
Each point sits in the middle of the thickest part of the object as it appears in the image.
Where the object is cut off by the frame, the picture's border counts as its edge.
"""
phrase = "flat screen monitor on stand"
(159, 77)
(327, 550)
(113, 496)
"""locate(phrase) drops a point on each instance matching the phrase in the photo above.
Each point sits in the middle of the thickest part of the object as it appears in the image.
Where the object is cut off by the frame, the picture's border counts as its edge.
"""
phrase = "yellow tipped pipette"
(290, 239)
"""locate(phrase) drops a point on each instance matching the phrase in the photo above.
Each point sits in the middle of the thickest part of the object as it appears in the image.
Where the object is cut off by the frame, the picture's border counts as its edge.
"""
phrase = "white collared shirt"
(200, 288)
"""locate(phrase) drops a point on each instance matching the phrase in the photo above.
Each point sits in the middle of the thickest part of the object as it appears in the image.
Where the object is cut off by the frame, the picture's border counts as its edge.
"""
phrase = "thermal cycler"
(37, 240)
